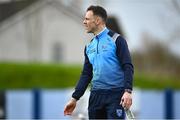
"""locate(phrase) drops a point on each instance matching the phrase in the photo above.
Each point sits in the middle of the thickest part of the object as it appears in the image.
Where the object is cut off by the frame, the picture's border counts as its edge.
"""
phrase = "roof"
(18, 15)
(9, 8)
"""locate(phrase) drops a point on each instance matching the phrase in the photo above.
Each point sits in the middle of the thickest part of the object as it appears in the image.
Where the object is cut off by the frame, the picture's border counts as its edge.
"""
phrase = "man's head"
(95, 19)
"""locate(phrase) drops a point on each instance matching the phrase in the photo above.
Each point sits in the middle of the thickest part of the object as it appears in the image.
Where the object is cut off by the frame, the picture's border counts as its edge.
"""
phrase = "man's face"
(90, 22)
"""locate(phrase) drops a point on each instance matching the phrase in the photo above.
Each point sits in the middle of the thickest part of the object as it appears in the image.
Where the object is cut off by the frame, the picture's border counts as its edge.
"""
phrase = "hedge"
(34, 75)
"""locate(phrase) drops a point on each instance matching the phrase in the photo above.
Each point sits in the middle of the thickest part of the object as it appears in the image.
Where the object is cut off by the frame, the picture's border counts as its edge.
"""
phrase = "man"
(108, 67)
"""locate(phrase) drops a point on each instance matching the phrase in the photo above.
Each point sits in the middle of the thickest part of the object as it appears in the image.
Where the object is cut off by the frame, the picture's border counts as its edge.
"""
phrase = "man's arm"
(125, 60)
(127, 66)
(85, 78)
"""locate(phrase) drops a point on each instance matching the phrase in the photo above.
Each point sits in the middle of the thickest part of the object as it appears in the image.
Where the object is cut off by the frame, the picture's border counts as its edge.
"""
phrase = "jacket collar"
(102, 33)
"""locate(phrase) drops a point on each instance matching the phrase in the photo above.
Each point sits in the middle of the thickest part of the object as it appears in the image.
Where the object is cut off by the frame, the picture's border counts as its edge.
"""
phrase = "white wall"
(32, 34)
(60, 28)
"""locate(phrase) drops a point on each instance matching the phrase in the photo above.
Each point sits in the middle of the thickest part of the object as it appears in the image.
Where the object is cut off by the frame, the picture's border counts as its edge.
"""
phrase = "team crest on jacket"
(119, 112)
(104, 46)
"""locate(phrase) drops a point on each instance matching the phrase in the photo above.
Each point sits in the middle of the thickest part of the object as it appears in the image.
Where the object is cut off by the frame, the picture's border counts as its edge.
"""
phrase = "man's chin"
(88, 31)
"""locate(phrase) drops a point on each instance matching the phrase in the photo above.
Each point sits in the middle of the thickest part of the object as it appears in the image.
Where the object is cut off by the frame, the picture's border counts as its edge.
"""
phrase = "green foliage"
(149, 81)
(27, 76)
(38, 75)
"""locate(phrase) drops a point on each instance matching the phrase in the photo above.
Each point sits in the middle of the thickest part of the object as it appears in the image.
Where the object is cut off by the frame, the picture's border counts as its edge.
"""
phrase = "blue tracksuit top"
(107, 64)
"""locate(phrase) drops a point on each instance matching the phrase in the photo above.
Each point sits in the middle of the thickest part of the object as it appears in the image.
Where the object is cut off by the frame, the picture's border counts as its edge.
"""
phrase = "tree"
(170, 24)
(156, 58)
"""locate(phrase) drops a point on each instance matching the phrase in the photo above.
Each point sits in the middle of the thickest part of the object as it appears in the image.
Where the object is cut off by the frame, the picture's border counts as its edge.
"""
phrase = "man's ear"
(98, 20)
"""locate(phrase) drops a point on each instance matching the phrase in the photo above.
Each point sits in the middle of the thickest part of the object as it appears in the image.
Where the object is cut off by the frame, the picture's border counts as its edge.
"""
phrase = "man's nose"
(84, 21)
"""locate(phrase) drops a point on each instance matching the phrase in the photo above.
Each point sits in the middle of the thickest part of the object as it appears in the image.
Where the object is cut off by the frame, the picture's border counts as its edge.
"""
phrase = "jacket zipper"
(97, 46)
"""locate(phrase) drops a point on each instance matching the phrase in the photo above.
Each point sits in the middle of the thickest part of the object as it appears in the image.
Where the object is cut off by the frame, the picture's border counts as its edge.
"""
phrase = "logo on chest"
(104, 48)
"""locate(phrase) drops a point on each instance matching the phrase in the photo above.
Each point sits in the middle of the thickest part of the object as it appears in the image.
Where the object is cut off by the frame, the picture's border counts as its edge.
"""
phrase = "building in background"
(41, 31)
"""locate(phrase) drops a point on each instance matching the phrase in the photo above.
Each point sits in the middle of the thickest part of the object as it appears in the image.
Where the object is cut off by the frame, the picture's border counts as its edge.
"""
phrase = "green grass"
(28, 76)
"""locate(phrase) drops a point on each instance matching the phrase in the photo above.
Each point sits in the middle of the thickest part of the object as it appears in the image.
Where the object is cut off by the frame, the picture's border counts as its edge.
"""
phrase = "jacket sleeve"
(125, 60)
(85, 78)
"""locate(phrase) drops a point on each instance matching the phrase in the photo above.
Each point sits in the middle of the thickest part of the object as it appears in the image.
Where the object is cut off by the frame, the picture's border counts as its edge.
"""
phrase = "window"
(57, 52)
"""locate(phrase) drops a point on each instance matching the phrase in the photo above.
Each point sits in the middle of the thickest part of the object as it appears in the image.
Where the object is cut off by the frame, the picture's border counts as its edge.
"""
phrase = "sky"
(143, 16)
(137, 17)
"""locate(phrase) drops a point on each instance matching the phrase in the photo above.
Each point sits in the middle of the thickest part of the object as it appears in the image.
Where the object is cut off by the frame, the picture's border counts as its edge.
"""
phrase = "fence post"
(36, 104)
(2, 105)
(169, 103)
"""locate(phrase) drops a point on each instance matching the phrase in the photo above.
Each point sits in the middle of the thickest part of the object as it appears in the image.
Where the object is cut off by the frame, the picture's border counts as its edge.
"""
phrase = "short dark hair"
(99, 11)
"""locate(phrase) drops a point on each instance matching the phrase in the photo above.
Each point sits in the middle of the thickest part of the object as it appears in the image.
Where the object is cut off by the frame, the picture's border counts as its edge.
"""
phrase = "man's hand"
(69, 108)
(126, 100)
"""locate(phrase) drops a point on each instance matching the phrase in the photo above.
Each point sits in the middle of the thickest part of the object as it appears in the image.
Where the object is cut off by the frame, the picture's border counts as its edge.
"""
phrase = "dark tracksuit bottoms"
(105, 104)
